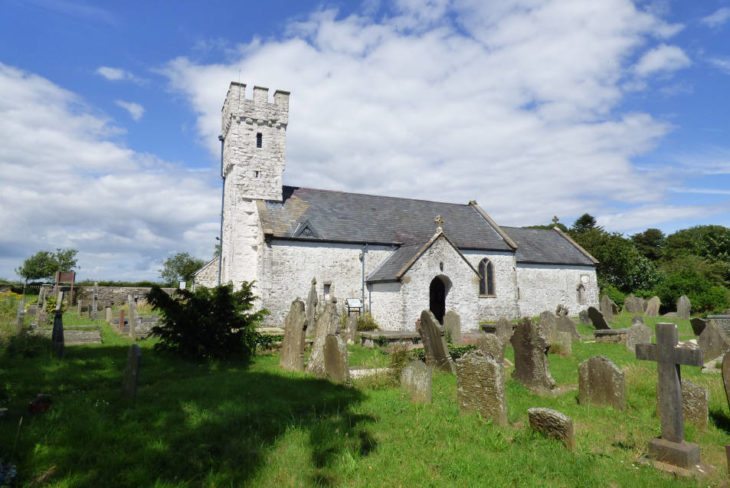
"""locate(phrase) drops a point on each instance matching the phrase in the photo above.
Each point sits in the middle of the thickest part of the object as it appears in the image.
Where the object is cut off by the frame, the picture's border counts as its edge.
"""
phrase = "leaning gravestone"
(292, 346)
(335, 359)
(684, 307)
(311, 308)
(565, 324)
(57, 332)
(480, 386)
(131, 373)
(416, 380)
(712, 342)
(606, 305)
(601, 382)
(698, 325)
(434, 343)
(652, 307)
(633, 304)
(553, 424)
(584, 317)
(638, 333)
(504, 330)
(491, 346)
(452, 327)
(597, 319)
(531, 363)
(726, 376)
(327, 324)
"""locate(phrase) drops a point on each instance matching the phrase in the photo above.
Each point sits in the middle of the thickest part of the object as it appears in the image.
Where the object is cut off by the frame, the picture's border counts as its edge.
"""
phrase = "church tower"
(253, 158)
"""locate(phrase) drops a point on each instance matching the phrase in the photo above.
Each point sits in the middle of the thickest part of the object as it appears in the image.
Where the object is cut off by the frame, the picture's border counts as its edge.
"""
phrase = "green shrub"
(695, 278)
(614, 294)
(366, 322)
(207, 323)
(27, 345)
(454, 351)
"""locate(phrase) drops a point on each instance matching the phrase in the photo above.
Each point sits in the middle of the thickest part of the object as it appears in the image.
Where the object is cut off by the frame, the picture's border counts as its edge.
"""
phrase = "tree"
(650, 243)
(180, 267)
(45, 264)
(584, 223)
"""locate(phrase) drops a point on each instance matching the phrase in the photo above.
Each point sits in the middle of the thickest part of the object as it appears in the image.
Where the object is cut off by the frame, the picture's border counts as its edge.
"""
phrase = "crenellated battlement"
(257, 109)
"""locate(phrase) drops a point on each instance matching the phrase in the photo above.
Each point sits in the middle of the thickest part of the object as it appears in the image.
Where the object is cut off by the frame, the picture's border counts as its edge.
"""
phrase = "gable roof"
(541, 246)
(335, 216)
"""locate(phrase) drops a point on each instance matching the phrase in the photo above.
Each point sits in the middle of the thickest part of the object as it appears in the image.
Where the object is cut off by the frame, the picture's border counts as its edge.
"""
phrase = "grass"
(222, 424)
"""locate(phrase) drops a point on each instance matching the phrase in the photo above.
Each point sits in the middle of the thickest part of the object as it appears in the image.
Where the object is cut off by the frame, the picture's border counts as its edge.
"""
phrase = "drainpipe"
(223, 201)
(362, 260)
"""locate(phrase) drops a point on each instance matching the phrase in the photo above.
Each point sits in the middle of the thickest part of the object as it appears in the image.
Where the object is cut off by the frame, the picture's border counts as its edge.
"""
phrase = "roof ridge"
(374, 195)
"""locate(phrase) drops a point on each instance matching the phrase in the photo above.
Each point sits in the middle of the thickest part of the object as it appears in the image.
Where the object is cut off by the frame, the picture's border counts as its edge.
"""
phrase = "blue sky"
(535, 108)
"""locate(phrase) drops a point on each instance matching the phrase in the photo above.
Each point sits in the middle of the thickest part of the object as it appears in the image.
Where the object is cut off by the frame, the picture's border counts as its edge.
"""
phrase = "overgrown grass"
(221, 424)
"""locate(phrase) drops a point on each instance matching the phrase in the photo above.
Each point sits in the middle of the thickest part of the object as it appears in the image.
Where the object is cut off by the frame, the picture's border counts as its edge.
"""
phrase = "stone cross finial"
(555, 220)
(671, 448)
(439, 222)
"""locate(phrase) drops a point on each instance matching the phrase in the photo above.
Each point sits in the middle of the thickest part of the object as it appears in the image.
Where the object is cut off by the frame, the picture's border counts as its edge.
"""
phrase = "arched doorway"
(437, 297)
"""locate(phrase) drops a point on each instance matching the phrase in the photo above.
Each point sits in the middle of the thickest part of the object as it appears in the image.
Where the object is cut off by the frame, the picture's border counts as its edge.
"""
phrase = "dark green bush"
(207, 323)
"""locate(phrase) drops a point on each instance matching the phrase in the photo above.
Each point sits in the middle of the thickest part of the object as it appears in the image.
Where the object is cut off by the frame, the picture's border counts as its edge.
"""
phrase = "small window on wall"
(581, 290)
(486, 274)
(326, 291)
(259, 139)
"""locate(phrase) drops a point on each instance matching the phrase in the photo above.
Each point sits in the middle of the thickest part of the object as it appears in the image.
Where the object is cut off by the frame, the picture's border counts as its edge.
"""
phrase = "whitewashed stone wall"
(207, 275)
(462, 296)
(504, 301)
(386, 304)
(242, 241)
(543, 287)
(289, 267)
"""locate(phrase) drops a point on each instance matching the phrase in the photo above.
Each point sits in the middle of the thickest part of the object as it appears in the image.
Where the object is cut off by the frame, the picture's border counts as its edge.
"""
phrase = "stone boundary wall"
(112, 295)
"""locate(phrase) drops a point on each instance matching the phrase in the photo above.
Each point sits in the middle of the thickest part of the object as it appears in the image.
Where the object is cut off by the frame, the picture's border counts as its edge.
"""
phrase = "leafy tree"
(650, 243)
(207, 323)
(180, 267)
(585, 223)
(555, 223)
(698, 278)
(45, 264)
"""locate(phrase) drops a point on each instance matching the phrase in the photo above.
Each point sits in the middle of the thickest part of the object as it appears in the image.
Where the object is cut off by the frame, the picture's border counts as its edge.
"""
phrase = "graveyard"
(227, 423)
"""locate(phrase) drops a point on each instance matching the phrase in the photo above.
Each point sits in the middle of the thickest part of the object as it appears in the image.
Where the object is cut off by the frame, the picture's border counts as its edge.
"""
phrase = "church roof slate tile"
(541, 246)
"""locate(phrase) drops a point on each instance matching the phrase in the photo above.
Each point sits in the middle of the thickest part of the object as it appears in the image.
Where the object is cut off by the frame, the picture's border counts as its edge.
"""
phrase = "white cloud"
(511, 102)
(136, 111)
(662, 59)
(117, 74)
(723, 64)
(640, 218)
(717, 18)
(65, 182)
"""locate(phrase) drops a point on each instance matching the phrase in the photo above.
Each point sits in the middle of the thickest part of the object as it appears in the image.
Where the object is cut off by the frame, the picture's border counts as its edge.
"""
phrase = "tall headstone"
(416, 380)
(434, 343)
(607, 308)
(491, 346)
(638, 333)
(121, 321)
(93, 313)
(327, 323)
(504, 330)
(335, 359)
(452, 326)
(633, 304)
(597, 319)
(311, 308)
(57, 332)
(480, 386)
(671, 447)
(561, 344)
(108, 317)
(601, 382)
(20, 316)
(79, 306)
(548, 325)
(292, 346)
(351, 332)
(131, 372)
(684, 307)
(565, 324)
(553, 424)
(652, 307)
(531, 363)
(712, 341)
(695, 401)
(132, 320)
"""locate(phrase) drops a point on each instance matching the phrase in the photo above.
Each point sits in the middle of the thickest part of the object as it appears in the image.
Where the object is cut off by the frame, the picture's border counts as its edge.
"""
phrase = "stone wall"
(504, 301)
(207, 275)
(386, 305)
(108, 296)
(542, 287)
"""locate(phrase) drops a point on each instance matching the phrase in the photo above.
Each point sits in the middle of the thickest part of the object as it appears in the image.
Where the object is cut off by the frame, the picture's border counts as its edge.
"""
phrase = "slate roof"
(388, 271)
(545, 247)
(334, 216)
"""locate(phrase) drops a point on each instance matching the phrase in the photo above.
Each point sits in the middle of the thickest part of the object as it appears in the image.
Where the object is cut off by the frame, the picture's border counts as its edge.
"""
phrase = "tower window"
(259, 139)
(256, 174)
(486, 283)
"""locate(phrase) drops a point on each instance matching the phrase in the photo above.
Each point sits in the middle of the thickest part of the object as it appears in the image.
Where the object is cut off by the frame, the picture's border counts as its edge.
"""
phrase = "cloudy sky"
(110, 111)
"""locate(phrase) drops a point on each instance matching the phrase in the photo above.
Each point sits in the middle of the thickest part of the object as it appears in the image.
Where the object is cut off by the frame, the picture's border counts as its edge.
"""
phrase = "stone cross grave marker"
(480, 386)
(416, 380)
(597, 319)
(335, 359)
(292, 346)
(452, 326)
(434, 343)
(531, 363)
(311, 308)
(670, 447)
(684, 307)
(57, 333)
(327, 324)
(131, 372)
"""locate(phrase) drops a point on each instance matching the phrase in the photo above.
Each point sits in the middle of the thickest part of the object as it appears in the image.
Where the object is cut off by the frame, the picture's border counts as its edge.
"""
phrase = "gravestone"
(292, 346)
(326, 324)
(583, 317)
(121, 321)
(452, 327)
(726, 376)
(695, 400)
(547, 325)
(131, 372)
(638, 333)
(601, 382)
(94, 311)
(78, 306)
(597, 319)
(132, 320)
(561, 310)
(335, 359)
(491, 346)
(698, 325)
(108, 315)
(416, 380)
(504, 330)
(684, 307)
(434, 343)
(712, 341)
(633, 304)
(553, 424)
(671, 447)
(652, 307)
(561, 344)
(351, 331)
(606, 305)
(565, 324)
(20, 316)
(57, 332)
(311, 308)
(531, 363)
(480, 386)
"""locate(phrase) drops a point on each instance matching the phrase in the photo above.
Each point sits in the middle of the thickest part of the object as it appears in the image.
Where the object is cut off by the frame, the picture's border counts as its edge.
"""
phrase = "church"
(397, 256)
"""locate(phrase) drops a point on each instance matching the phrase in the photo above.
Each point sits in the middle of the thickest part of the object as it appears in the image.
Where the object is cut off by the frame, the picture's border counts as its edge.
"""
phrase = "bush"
(366, 322)
(208, 323)
(454, 351)
(27, 345)
(695, 278)
(614, 294)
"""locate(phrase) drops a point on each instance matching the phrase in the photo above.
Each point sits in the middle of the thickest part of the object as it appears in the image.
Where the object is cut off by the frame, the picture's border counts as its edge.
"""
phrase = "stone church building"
(398, 255)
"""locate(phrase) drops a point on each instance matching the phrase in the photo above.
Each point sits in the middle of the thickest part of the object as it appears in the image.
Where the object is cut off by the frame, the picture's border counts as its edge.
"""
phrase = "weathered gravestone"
(434, 343)
(335, 359)
(132, 320)
(638, 333)
(695, 400)
(684, 307)
(452, 327)
(584, 317)
(606, 305)
(108, 317)
(671, 447)
(416, 380)
(547, 325)
(561, 344)
(504, 330)
(597, 319)
(121, 321)
(564, 324)
(351, 329)
(601, 382)
(633, 304)
(553, 424)
(698, 325)
(326, 324)
(79, 307)
(131, 372)
(491, 346)
(292, 346)
(94, 311)
(57, 332)
(480, 386)
(652, 307)
(712, 341)
(311, 308)
(726, 376)
(531, 363)
(20, 316)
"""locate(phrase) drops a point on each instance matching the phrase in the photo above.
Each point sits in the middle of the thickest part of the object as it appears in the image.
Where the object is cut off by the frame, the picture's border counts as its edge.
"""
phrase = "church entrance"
(437, 298)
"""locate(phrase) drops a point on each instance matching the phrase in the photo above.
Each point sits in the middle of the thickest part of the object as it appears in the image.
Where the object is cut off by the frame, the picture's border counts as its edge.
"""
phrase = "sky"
(110, 112)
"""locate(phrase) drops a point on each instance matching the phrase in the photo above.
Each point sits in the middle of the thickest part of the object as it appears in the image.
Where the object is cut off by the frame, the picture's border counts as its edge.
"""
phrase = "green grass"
(222, 424)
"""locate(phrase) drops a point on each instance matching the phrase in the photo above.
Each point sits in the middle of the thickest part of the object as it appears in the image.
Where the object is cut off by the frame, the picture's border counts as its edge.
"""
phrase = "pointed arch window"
(581, 290)
(486, 281)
